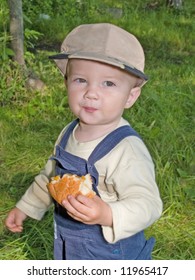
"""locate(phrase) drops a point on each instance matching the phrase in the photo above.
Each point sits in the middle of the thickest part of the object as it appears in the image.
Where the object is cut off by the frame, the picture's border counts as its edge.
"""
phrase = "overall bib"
(74, 240)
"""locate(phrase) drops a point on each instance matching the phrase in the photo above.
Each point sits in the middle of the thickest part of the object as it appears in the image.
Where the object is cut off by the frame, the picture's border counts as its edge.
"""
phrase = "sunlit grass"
(163, 115)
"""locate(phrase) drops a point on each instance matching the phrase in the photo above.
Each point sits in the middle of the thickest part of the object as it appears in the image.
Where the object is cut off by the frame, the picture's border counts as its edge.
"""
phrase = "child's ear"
(133, 96)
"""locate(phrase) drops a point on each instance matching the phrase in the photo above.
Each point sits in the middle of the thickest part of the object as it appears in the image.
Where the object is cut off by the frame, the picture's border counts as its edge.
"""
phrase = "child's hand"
(14, 220)
(89, 210)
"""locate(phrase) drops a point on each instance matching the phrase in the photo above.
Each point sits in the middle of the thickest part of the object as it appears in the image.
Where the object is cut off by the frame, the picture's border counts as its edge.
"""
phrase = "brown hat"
(103, 42)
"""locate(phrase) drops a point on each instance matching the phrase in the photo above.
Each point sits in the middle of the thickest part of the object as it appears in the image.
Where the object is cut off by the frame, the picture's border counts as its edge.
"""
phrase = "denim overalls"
(74, 240)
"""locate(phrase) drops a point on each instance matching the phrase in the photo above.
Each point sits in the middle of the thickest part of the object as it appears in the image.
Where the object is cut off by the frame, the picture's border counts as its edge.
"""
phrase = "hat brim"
(100, 58)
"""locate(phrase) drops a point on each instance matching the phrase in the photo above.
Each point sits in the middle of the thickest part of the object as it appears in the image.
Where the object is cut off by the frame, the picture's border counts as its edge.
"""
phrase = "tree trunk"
(16, 30)
(17, 43)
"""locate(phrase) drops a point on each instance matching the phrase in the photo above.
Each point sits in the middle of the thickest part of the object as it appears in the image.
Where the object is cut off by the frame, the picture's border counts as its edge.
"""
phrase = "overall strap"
(66, 135)
(110, 141)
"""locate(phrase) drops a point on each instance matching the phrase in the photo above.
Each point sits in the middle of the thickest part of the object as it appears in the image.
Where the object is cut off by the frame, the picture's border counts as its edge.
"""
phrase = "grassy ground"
(31, 121)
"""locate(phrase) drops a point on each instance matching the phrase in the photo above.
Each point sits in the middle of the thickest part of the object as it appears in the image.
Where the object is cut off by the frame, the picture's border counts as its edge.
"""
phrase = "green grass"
(31, 121)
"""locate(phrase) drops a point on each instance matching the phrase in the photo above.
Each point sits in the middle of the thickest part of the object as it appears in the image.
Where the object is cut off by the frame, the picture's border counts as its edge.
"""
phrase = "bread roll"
(60, 188)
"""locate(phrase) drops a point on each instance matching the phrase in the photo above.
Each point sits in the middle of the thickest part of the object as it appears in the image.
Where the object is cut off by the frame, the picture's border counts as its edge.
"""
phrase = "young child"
(103, 69)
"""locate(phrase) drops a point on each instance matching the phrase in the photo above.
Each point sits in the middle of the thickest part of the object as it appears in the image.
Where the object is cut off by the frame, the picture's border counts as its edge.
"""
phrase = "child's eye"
(108, 84)
(80, 80)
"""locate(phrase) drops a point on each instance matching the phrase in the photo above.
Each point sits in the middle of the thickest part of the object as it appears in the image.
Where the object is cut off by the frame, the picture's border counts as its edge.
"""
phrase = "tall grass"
(31, 121)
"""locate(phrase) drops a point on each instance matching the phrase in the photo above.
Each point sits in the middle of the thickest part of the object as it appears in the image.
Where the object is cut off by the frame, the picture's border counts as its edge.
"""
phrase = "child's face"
(98, 93)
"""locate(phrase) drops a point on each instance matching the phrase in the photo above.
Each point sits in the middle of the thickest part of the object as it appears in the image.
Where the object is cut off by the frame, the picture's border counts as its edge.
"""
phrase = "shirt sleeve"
(138, 203)
(37, 200)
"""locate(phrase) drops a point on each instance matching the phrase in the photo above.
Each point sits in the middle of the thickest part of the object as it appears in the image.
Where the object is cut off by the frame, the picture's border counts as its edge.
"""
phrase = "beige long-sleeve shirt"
(126, 182)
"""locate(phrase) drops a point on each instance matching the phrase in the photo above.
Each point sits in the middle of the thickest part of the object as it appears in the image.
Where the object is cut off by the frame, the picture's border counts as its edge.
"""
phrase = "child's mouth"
(89, 109)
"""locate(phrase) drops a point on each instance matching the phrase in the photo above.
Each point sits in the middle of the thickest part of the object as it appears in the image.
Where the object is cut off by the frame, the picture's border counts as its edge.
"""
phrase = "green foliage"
(30, 36)
(55, 18)
(5, 52)
(12, 84)
(5, 38)
(31, 121)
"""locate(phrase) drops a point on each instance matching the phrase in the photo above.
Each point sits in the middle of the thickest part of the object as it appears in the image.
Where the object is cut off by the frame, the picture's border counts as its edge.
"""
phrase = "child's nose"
(91, 92)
